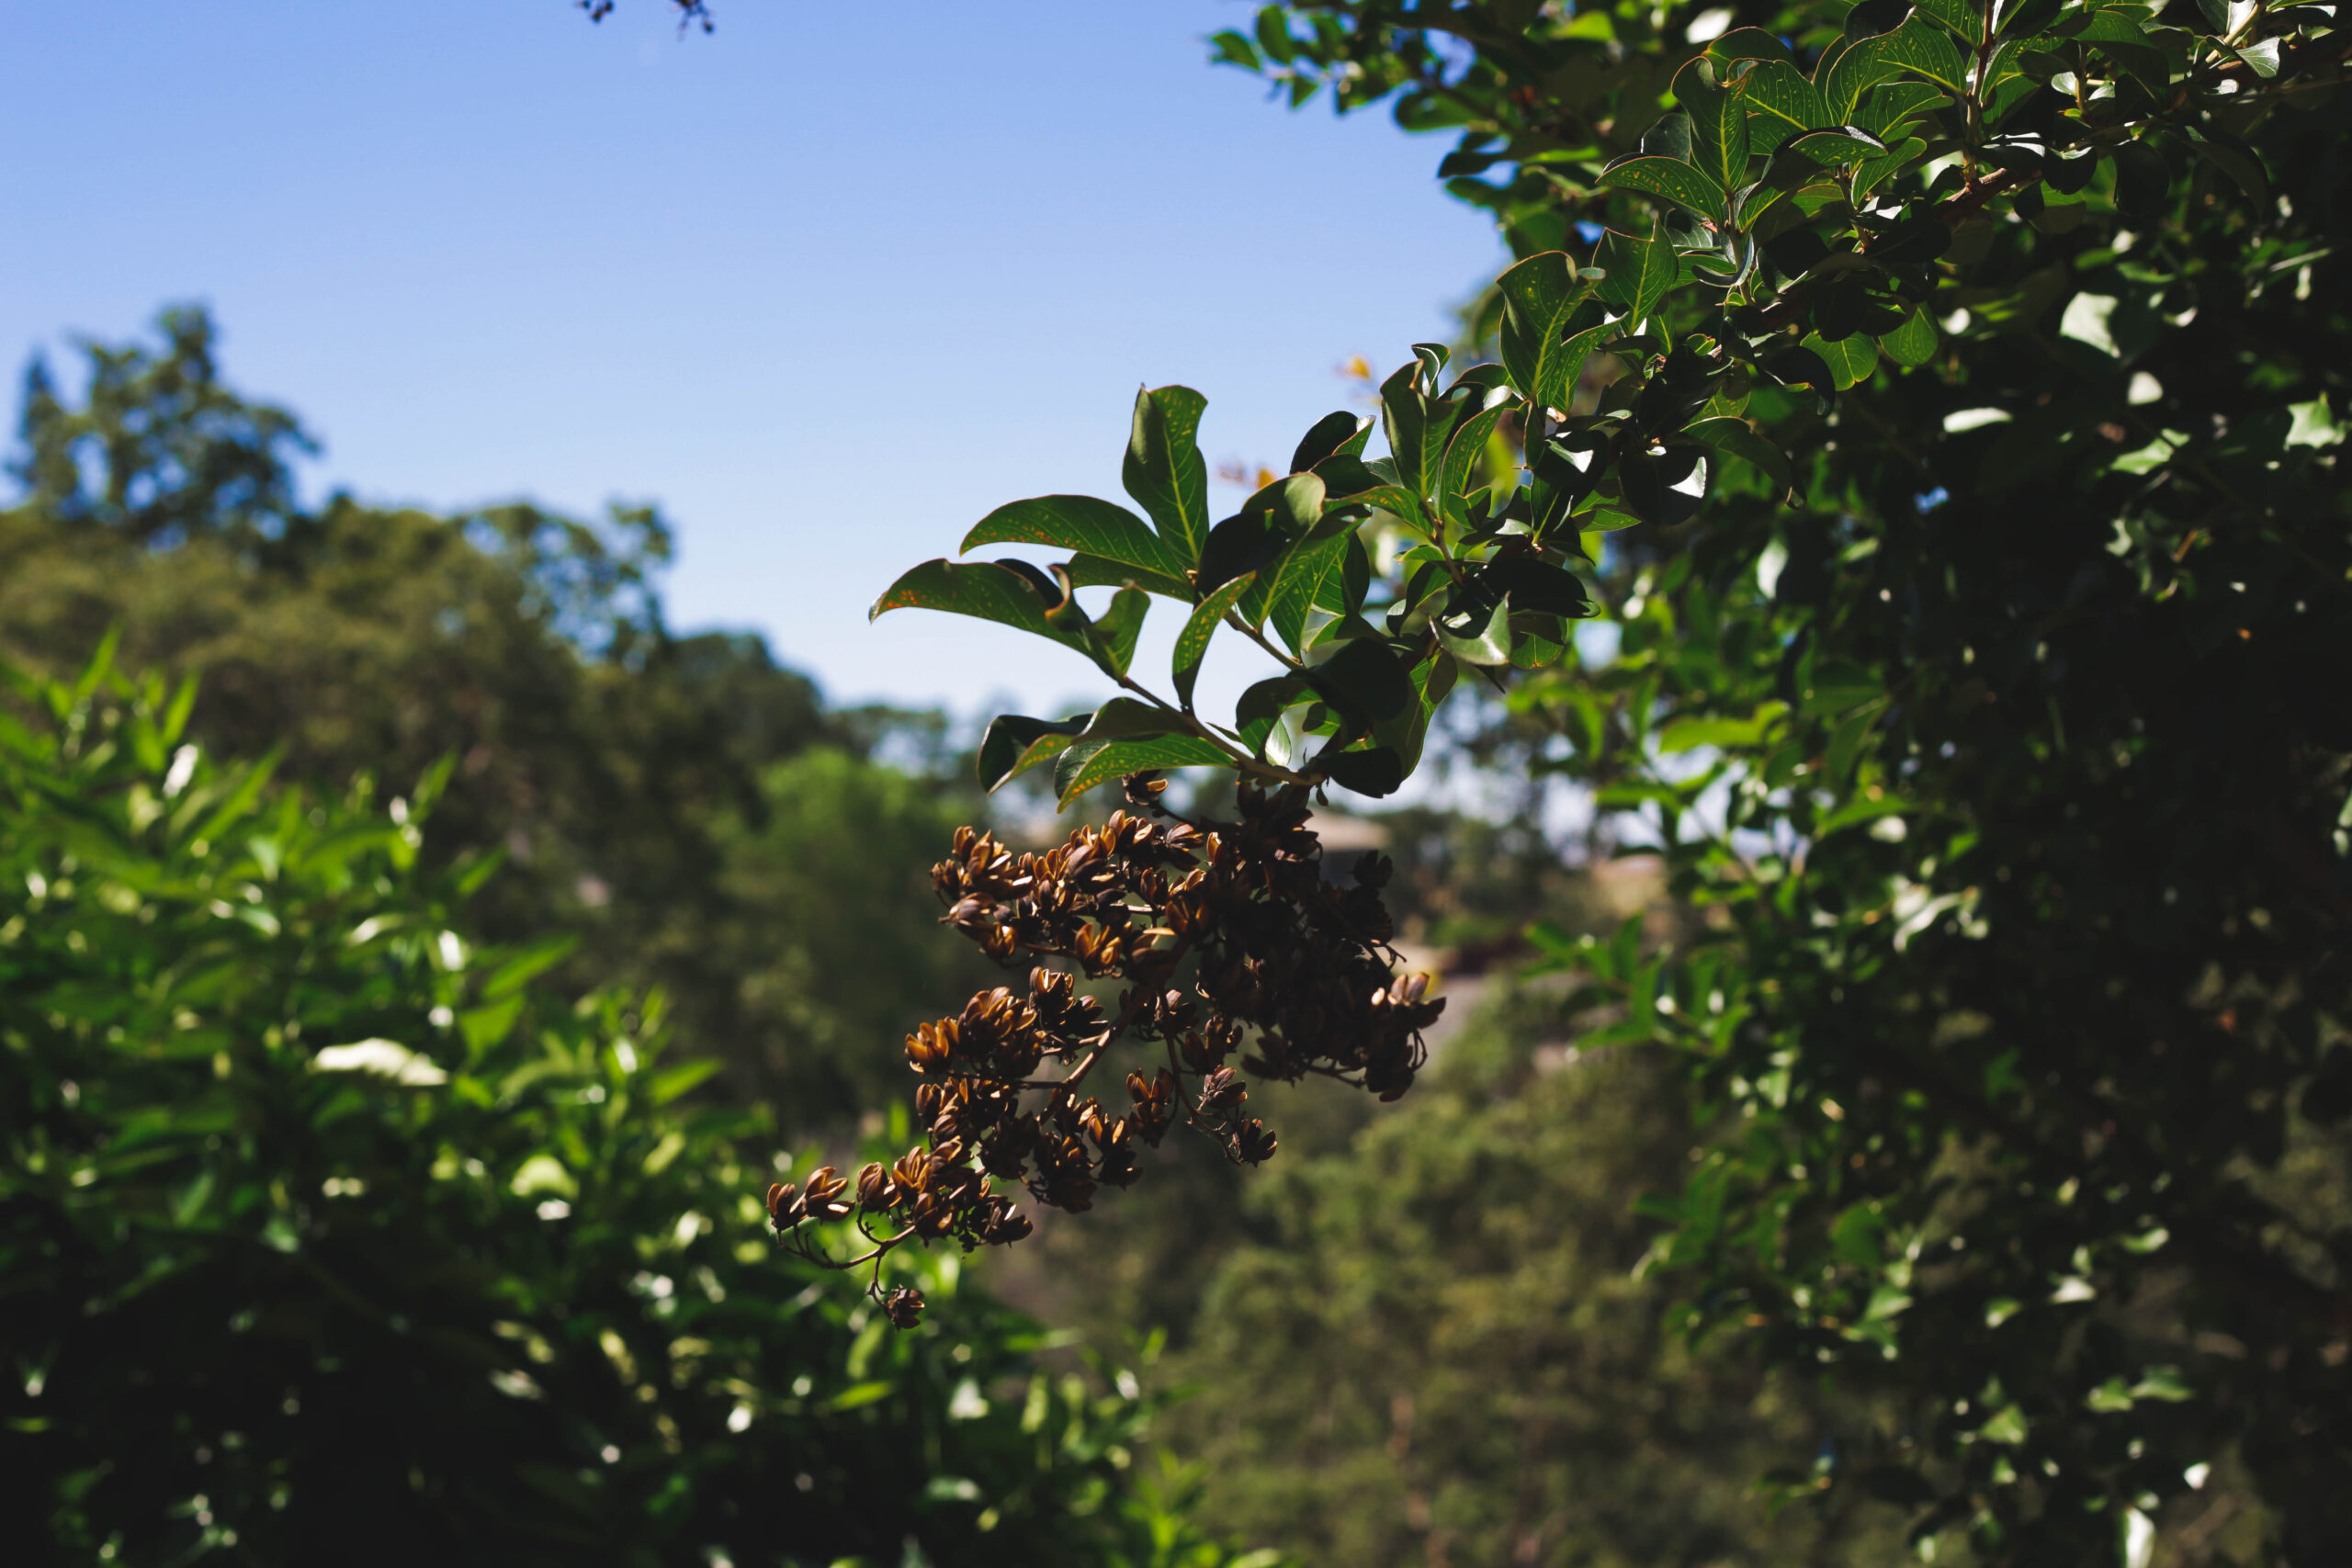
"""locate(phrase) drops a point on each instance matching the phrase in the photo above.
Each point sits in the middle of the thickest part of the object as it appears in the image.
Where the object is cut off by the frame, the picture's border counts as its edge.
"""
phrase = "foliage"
(327, 1233)
(627, 772)
(834, 931)
(1442, 1349)
(1940, 399)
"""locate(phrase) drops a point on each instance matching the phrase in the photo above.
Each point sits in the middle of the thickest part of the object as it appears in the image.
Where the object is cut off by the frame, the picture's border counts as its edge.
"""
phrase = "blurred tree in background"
(329, 1233)
(627, 773)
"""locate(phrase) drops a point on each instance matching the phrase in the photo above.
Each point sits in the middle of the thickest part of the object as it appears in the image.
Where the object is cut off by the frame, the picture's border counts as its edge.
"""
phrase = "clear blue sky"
(827, 285)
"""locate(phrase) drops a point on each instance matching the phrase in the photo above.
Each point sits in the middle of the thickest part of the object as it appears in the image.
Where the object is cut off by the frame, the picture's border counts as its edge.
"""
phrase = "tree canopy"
(327, 1230)
(1937, 404)
(626, 773)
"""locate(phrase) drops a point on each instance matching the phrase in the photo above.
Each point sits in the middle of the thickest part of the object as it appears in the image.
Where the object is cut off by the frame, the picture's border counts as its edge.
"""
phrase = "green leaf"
(671, 1082)
(1092, 763)
(1295, 517)
(1690, 734)
(1668, 178)
(1124, 719)
(1093, 572)
(1871, 173)
(1193, 642)
(1463, 453)
(1843, 75)
(2164, 1383)
(1719, 144)
(241, 800)
(1534, 584)
(1913, 343)
(1329, 436)
(1375, 770)
(1850, 360)
(1478, 633)
(1834, 147)
(1304, 581)
(1082, 526)
(1016, 743)
(1927, 50)
(858, 1396)
(1541, 297)
(1783, 102)
(1164, 471)
(1737, 438)
(1891, 103)
(1961, 16)
(1639, 272)
(984, 590)
(2241, 166)
(1121, 624)
(1417, 426)
(486, 1026)
(1364, 678)
(523, 967)
(1747, 43)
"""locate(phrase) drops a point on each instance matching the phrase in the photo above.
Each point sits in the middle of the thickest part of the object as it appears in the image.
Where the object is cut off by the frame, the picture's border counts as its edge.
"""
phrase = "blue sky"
(827, 285)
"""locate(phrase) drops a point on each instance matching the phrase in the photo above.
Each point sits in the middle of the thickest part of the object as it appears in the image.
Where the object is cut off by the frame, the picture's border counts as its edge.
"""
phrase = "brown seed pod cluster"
(1224, 941)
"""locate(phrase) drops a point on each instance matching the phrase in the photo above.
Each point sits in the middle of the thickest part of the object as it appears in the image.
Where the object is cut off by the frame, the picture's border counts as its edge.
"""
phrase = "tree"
(328, 1232)
(1939, 400)
(624, 770)
(1445, 1349)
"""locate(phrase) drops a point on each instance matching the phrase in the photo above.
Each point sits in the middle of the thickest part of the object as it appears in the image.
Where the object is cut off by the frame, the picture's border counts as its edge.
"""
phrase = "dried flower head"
(1221, 938)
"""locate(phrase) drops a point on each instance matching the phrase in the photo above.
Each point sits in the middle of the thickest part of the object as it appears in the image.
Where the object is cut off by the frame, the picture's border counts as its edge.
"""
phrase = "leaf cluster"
(326, 1230)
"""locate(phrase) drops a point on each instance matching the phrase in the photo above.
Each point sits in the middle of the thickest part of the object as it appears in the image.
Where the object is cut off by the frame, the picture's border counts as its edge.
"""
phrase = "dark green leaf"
(1891, 103)
(1093, 572)
(1016, 743)
(1639, 272)
(1927, 50)
(1375, 770)
(1465, 451)
(1665, 489)
(1541, 297)
(1785, 104)
(671, 1082)
(1668, 178)
(1839, 146)
(1962, 16)
(1844, 75)
(1125, 718)
(1534, 583)
(1417, 426)
(2140, 180)
(1261, 703)
(1474, 629)
(1849, 360)
(534, 959)
(1122, 624)
(1364, 678)
(1747, 43)
(1331, 435)
(1735, 438)
(1914, 240)
(985, 589)
(1164, 471)
(1913, 343)
(1193, 642)
(1718, 128)
(1082, 526)
(1089, 763)
(1305, 577)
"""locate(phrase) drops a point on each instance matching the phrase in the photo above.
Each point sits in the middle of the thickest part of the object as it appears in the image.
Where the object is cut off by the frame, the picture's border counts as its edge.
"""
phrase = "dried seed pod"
(1292, 966)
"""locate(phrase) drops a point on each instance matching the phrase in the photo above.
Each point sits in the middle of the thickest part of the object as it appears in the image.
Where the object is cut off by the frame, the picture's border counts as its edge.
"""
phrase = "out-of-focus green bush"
(328, 1235)
(627, 768)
